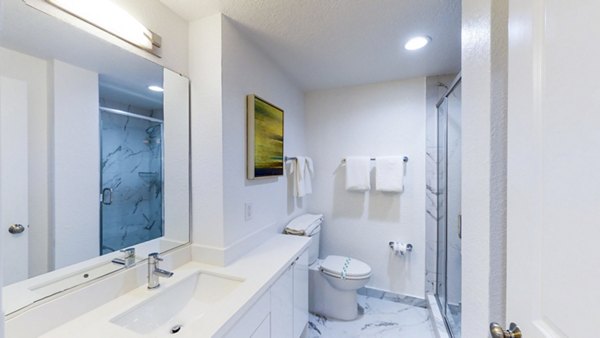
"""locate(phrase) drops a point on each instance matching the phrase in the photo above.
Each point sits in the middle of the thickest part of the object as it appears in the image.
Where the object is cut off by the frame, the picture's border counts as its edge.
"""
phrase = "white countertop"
(259, 268)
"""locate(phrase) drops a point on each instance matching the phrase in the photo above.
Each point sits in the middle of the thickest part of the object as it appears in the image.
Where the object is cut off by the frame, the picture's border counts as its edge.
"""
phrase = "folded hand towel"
(389, 173)
(358, 176)
(304, 224)
(302, 168)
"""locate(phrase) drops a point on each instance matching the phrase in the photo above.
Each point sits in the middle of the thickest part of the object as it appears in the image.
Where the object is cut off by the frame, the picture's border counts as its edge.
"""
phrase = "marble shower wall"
(436, 86)
(132, 167)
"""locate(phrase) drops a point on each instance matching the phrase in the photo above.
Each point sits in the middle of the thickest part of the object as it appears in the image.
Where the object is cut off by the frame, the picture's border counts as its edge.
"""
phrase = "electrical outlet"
(248, 212)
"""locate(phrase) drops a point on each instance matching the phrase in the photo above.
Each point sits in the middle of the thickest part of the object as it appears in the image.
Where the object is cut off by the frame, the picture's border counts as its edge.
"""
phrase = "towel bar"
(373, 159)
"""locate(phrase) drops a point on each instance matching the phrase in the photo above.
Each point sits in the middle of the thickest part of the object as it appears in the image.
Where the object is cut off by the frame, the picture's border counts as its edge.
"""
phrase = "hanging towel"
(302, 169)
(389, 173)
(358, 177)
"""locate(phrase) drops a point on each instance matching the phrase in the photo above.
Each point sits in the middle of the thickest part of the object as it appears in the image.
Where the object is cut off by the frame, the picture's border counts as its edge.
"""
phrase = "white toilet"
(333, 281)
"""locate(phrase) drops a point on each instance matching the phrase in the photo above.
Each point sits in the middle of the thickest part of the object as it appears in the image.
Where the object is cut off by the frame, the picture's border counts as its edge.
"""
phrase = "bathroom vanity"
(104, 166)
(263, 294)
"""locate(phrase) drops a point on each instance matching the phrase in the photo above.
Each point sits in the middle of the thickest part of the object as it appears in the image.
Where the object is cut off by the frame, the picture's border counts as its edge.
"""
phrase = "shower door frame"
(443, 259)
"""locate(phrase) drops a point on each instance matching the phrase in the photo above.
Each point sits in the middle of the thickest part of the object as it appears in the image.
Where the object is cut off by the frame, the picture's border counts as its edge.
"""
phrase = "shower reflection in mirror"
(131, 133)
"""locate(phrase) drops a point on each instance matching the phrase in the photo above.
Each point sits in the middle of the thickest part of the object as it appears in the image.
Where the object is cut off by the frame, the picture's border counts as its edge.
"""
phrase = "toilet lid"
(345, 267)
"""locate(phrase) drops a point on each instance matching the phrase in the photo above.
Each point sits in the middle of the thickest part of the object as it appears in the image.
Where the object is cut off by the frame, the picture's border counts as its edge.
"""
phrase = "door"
(553, 192)
(13, 191)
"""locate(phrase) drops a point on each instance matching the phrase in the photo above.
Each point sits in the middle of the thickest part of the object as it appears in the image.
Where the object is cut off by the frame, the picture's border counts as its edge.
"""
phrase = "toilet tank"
(313, 249)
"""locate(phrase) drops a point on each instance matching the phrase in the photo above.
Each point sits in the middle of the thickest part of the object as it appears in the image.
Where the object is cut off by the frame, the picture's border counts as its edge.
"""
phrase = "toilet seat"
(345, 268)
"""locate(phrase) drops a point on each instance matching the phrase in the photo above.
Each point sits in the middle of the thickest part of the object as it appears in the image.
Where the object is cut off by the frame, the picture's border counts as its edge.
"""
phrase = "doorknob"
(498, 332)
(16, 229)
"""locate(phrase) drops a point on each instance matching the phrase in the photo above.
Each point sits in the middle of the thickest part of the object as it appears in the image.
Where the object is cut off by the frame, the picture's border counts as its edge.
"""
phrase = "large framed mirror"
(94, 156)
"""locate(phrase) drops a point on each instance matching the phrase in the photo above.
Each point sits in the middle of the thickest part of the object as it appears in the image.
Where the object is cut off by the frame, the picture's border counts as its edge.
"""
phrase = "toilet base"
(328, 301)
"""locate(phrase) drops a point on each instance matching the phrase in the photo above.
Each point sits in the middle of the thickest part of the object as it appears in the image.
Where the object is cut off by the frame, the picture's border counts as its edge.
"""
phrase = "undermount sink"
(179, 304)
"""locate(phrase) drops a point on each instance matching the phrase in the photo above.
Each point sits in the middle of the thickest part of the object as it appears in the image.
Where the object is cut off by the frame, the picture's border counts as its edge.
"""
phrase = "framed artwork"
(265, 138)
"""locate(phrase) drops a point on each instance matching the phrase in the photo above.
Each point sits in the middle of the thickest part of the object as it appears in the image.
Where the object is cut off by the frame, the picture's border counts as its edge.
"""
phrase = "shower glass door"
(449, 267)
(131, 179)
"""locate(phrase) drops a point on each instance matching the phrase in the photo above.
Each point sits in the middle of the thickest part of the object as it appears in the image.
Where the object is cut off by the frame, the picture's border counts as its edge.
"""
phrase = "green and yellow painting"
(268, 138)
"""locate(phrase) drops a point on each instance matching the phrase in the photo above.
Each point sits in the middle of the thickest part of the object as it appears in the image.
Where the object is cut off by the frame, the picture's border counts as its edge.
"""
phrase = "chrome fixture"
(154, 272)
(405, 159)
(498, 332)
(16, 229)
(128, 258)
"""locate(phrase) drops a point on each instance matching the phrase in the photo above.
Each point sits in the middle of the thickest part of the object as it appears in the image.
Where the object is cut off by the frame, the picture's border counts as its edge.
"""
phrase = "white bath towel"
(302, 169)
(389, 173)
(358, 177)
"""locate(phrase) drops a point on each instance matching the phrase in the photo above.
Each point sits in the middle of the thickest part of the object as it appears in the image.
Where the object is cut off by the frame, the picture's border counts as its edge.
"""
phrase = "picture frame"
(265, 138)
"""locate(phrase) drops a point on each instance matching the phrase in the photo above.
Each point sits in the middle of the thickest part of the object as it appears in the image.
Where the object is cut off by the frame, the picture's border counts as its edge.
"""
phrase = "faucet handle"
(129, 252)
(154, 256)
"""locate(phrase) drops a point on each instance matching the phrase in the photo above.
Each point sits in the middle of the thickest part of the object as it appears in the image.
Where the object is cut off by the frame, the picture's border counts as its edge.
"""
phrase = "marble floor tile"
(380, 319)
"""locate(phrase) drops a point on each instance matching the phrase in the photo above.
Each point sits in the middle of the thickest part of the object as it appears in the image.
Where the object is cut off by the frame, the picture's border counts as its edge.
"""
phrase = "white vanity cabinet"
(289, 300)
(282, 312)
(300, 294)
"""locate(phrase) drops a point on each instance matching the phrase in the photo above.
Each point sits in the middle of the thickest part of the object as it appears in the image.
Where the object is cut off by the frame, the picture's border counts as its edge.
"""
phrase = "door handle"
(498, 332)
(106, 196)
(16, 229)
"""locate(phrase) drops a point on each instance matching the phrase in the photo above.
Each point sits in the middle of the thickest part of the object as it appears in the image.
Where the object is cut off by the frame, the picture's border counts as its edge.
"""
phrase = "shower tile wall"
(436, 87)
(132, 167)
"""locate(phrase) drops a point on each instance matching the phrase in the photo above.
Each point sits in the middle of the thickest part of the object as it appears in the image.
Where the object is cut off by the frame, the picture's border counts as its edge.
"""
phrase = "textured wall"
(484, 59)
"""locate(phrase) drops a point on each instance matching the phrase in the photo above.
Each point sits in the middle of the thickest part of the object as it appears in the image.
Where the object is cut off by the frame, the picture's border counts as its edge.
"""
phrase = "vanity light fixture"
(156, 89)
(113, 19)
(417, 42)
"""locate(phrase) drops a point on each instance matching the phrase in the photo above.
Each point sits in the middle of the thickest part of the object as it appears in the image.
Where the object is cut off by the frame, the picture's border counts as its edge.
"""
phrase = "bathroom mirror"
(94, 156)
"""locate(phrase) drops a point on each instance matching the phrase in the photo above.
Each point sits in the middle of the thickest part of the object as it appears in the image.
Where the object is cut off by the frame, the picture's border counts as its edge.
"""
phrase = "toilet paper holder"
(409, 246)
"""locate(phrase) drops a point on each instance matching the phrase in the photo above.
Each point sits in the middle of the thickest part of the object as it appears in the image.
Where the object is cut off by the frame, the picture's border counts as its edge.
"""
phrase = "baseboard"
(392, 296)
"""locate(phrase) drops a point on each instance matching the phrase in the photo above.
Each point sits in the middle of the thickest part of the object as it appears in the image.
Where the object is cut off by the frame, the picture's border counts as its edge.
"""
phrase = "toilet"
(334, 280)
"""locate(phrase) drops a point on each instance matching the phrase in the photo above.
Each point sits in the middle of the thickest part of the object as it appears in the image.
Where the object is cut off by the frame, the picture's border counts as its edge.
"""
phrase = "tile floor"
(381, 319)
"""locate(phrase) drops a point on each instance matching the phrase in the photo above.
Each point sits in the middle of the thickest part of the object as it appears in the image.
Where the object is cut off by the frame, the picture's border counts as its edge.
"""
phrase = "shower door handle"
(106, 196)
(498, 332)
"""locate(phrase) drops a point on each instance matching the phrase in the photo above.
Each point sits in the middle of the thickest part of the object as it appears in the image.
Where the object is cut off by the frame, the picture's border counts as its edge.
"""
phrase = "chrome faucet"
(154, 272)
(128, 259)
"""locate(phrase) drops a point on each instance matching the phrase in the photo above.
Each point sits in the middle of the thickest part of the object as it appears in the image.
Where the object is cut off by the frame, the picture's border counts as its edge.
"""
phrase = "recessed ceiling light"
(417, 42)
(156, 89)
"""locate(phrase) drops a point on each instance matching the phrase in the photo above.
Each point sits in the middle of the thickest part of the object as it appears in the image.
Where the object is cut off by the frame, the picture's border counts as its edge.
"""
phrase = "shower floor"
(381, 318)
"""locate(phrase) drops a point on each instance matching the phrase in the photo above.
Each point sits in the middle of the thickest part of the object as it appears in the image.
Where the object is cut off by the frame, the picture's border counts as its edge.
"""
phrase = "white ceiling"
(332, 43)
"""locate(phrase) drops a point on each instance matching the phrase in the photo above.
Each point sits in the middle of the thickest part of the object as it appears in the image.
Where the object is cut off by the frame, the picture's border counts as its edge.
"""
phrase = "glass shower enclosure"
(132, 179)
(449, 226)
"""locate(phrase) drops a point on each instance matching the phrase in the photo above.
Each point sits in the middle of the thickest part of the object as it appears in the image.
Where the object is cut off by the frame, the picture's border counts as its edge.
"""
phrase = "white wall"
(247, 70)
(224, 68)
(484, 71)
(372, 120)
(207, 135)
(74, 188)
(33, 71)
(176, 152)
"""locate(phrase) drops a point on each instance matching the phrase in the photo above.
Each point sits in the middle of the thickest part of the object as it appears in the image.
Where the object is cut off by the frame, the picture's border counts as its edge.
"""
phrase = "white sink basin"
(178, 304)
